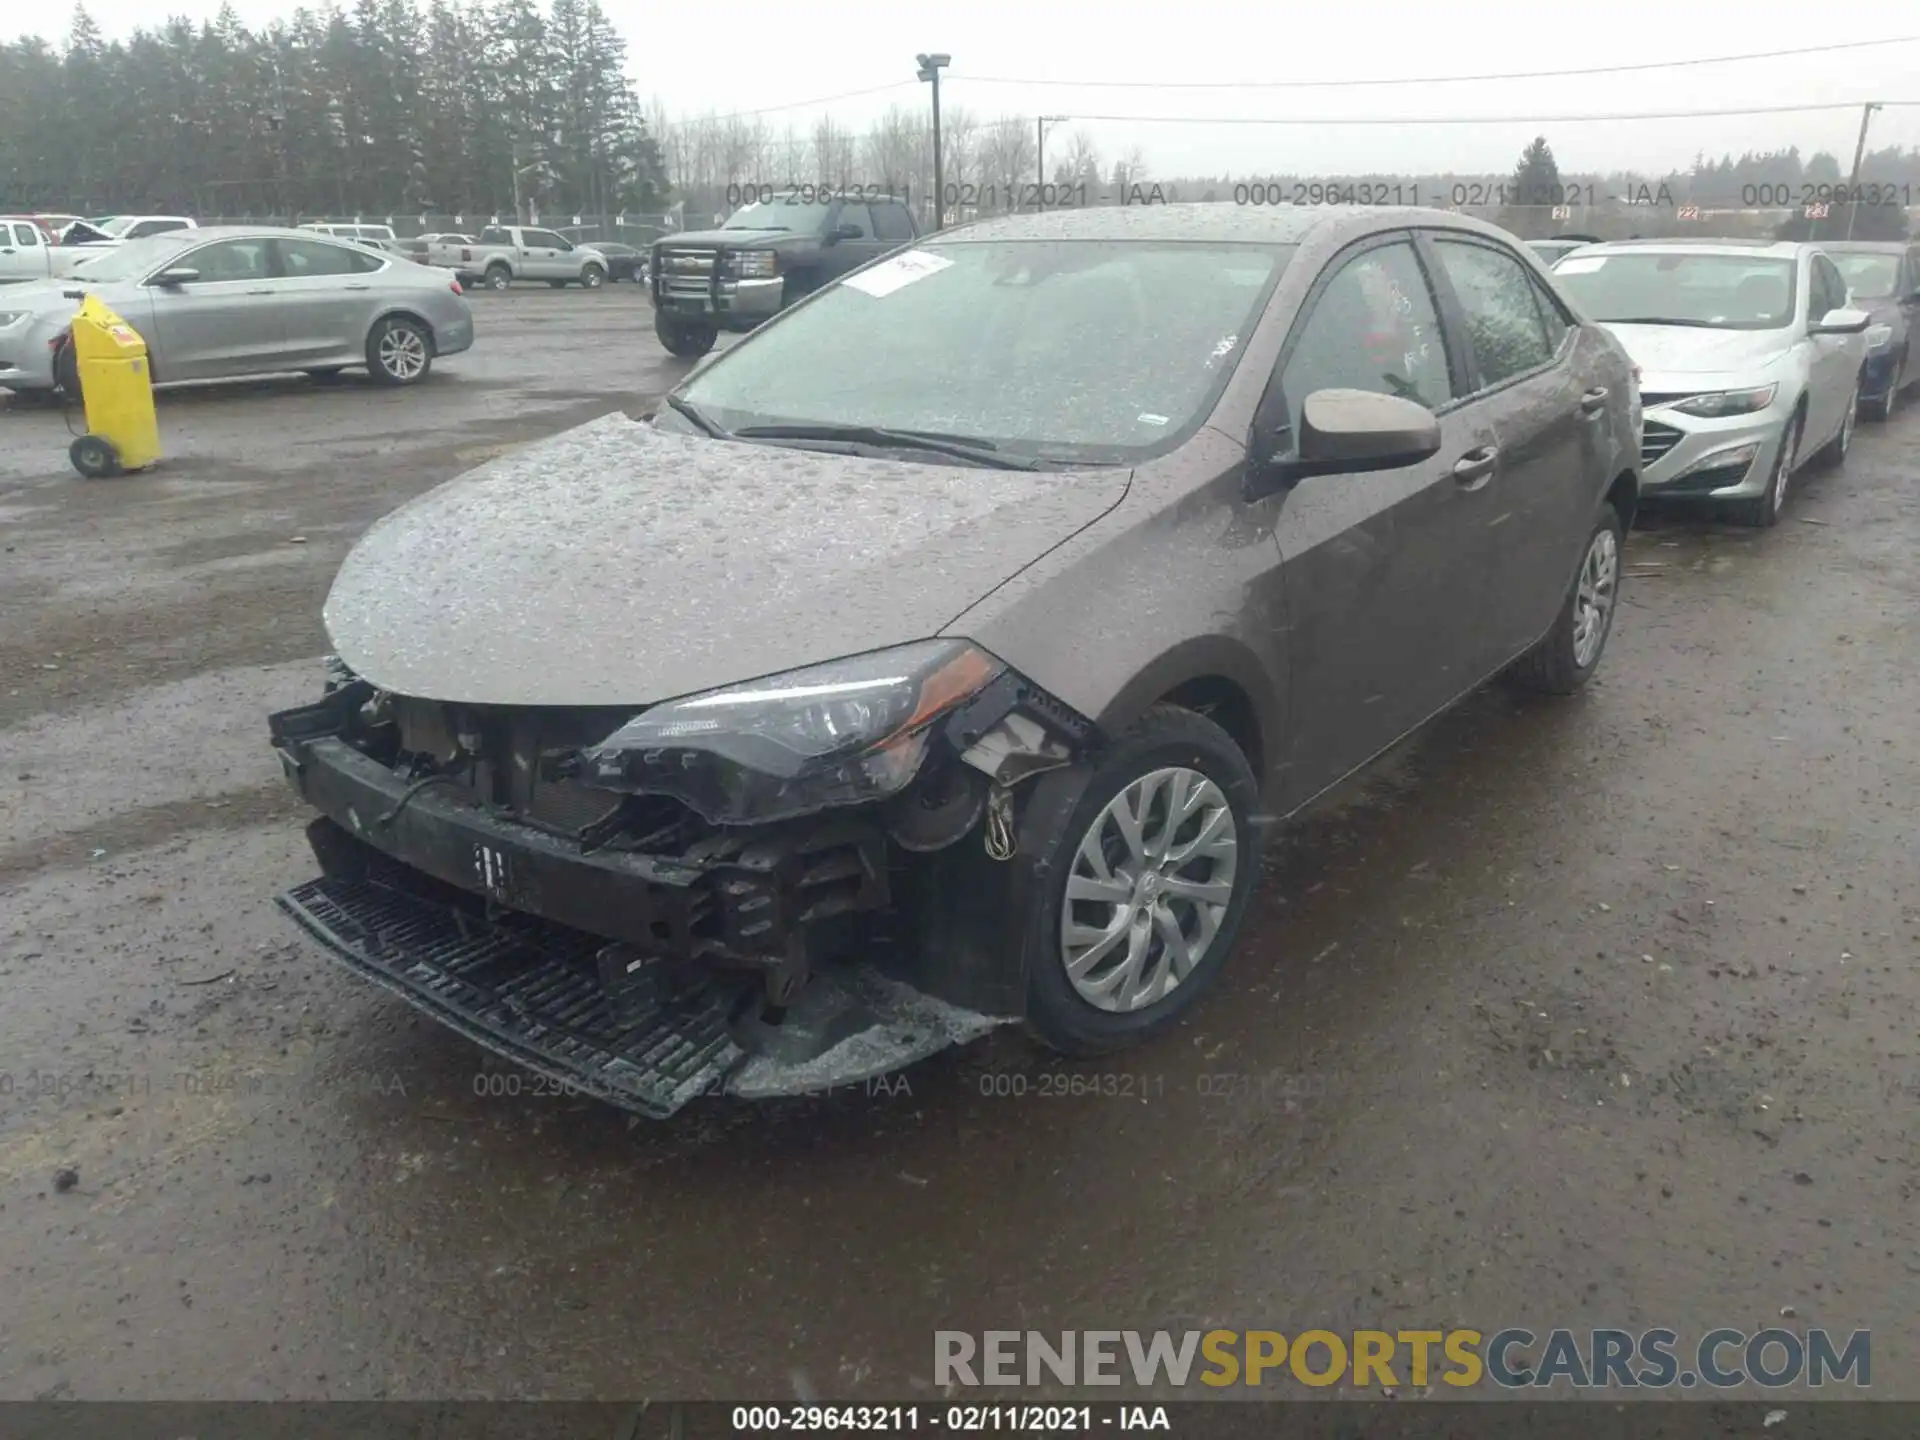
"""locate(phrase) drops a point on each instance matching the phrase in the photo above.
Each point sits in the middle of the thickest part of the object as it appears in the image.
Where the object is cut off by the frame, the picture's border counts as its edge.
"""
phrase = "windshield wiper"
(693, 413)
(1666, 320)
(961, 447)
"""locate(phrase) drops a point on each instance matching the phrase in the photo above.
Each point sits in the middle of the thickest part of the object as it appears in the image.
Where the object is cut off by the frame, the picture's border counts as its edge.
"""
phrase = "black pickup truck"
(765, 257)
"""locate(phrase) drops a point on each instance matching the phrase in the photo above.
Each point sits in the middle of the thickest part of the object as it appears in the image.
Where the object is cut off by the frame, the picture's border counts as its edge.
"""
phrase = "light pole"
(1853, 179)
(1040, 151)
(930, 68)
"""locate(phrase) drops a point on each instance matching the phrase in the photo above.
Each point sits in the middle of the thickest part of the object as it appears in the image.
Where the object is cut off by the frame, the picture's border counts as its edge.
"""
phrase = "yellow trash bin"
(117, 388)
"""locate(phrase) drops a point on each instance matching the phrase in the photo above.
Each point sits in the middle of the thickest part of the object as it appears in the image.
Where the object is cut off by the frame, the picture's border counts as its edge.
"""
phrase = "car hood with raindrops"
(619, 565)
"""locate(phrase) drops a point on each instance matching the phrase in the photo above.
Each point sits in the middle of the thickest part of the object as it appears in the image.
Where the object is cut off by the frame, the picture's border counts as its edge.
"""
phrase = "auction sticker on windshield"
(902, 270)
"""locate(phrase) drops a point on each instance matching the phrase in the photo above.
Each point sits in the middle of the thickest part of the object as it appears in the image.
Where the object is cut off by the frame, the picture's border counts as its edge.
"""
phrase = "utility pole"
(1040, 152)
(1859, 154)
(930, 67)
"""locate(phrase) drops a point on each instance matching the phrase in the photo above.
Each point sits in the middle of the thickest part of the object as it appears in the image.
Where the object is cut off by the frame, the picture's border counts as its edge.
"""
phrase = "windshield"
(135, 258)
(1869, 277)
(1672, 287)
(1083, 350)
(799, 217)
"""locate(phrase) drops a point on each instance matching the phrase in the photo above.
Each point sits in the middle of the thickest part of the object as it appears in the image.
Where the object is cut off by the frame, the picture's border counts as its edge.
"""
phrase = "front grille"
(688, 273)
(507, 773)
(1656, 440)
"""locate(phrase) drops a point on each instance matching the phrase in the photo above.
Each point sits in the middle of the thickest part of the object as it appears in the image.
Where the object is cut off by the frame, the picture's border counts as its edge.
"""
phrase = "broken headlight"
(843, 733)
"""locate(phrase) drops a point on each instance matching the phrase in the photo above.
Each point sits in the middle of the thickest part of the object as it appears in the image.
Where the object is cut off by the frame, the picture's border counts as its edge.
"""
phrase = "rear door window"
(891, 221)
(301, 259)
(855, 215)
(1497, 300)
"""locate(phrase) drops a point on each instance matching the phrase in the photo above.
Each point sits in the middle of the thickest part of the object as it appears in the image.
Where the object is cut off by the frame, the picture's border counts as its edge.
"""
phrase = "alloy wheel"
(1148, 889)
(1783, 467)
(1594, 596)
(403, 352)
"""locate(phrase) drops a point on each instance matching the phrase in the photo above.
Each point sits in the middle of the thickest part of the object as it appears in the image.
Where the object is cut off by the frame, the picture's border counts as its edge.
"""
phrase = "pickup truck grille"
(688, 272)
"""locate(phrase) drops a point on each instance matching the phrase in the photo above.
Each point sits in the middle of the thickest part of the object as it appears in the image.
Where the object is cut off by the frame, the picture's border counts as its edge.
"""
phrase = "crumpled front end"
(595, 910)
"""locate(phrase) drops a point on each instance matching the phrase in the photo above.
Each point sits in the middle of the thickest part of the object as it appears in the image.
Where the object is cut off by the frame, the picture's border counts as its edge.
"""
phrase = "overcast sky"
(764, 54)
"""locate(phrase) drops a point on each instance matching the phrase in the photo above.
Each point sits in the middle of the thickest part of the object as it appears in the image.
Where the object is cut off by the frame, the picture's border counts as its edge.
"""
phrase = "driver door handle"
(1591, 402)
(1475, 468)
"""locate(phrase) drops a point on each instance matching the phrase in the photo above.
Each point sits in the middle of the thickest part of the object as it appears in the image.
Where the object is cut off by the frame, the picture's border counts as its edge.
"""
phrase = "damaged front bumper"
(536, 993)
(754, 961)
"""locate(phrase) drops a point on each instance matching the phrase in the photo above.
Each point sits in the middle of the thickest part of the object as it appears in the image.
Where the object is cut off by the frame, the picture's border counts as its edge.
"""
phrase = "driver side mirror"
(1342, 432)
(1844, 321)
(843, 232)
(179, 275)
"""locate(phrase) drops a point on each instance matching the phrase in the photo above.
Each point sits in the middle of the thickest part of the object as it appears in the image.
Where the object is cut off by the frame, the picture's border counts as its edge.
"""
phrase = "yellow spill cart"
(116, 385)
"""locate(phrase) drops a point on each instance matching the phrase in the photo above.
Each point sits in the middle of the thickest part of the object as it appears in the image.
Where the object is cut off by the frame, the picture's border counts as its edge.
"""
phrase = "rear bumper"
(453, 337)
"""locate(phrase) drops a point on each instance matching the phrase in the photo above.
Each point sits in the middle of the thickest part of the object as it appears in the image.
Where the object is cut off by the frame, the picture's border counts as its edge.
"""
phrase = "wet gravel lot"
(1591, 1013)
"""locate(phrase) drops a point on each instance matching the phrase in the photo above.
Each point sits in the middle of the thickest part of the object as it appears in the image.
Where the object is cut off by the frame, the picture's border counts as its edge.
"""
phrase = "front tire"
(1566, 659)
(593, 277)
(1763, 510)
(687, 342)
(1838, 448)
(399, 352)
(1147, 876)
(1880, 411)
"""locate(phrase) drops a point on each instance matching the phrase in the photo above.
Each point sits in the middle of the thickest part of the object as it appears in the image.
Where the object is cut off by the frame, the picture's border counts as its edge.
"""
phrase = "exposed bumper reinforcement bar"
(531, 990)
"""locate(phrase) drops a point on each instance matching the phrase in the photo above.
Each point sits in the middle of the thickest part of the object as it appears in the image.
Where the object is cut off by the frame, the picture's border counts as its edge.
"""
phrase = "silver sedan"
(231, 301)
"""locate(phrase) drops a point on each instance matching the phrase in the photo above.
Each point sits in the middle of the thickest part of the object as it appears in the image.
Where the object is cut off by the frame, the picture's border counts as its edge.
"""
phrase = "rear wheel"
(1566, 659)
(399, 351)
(498, 276)
(1147, 872)
(688, 342)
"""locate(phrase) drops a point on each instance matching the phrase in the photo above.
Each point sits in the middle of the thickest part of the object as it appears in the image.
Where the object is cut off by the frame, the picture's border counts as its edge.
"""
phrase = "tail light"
(454, 285)
(465, 254)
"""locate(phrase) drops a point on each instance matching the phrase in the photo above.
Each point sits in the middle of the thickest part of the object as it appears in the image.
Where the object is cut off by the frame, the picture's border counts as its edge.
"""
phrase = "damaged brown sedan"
(936, 657)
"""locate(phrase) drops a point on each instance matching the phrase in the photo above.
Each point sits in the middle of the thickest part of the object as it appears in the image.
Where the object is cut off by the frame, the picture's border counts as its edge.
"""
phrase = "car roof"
(1865, 247)
(243, 232)
(1203, 221)
(1775, 249)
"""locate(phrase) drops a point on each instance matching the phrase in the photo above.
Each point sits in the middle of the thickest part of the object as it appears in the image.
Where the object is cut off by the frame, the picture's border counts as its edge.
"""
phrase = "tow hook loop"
(999, 830)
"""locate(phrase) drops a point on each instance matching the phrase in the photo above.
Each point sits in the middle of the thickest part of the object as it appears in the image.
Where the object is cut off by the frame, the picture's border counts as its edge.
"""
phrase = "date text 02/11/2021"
(955, 1419)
